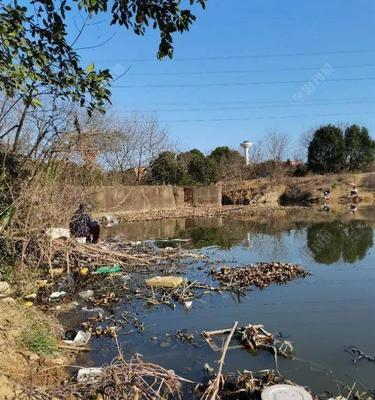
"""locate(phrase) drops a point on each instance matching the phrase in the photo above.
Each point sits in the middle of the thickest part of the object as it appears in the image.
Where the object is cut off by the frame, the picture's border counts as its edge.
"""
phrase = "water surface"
(321, 314)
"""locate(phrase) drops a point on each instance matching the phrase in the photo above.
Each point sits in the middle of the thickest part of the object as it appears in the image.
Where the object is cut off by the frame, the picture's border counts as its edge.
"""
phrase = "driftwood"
(211, 393)
(253, 337)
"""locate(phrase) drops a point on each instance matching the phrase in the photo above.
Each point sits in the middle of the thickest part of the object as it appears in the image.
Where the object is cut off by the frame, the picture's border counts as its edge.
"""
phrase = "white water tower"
(246, 146)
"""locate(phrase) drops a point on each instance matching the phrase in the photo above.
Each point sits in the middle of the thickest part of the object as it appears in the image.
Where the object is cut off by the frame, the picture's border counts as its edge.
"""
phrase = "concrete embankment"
(120, 199)
(159, 202)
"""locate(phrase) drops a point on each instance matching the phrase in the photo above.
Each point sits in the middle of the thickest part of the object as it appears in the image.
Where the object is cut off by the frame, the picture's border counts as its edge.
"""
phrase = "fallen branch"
(213, 389)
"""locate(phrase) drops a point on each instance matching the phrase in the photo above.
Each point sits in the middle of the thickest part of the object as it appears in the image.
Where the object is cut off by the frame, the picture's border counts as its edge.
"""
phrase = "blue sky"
(242, 69)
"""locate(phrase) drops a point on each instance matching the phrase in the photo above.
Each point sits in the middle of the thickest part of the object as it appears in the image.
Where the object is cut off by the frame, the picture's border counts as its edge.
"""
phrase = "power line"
(311, 102)
(242, 71)
(267, 106)
(269, 117)
(227, 84)
(248, 56)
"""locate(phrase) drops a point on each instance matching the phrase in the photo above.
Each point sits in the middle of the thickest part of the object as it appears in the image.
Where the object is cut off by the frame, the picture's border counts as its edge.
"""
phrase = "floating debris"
(244, 385)
(285, 391)
(261, 275)
(252, 337)
(81, 338)
(105, 298)
(359, 355)
(105, 270)
(167, 282)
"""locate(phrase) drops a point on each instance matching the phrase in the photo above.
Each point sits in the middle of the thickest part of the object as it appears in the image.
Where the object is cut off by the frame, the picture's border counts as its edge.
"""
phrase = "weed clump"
(40, 339)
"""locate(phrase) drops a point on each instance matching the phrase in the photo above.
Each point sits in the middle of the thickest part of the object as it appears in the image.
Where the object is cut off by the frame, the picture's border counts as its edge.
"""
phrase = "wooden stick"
(219, 374)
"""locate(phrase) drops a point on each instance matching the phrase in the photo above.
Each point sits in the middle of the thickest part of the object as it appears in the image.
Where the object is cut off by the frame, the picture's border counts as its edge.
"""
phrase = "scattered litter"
(86, 294)
(94, 310)
(31, 296)
(171, 282)
(70, 334)
(207, 368)
(113, 269)
(88, 374)
(80, 339)
(83, 271)
(57, 295)
(125, 278)
(188, 305)
(57, 233)
(283, 392)
(105, 298)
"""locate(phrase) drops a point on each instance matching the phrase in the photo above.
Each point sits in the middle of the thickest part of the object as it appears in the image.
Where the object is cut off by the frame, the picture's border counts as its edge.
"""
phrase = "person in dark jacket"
(81, 225)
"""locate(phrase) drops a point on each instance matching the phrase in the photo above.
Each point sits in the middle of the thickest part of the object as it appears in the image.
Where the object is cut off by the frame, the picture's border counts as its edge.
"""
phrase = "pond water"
(321, 314)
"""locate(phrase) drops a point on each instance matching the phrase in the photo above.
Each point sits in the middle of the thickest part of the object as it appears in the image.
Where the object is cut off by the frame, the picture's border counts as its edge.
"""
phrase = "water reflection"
(327, 239)
(328, 242)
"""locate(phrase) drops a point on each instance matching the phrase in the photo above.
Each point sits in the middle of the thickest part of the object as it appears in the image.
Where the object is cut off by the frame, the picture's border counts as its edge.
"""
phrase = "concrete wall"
(208, 196)
(144, 198)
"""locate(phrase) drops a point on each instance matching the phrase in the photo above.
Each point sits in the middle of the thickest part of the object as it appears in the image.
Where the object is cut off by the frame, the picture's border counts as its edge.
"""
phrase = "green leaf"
(90, 68)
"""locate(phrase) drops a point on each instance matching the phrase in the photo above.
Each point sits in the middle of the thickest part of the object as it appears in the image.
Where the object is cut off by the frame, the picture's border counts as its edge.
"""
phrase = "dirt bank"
(301, 191)
(20, 368)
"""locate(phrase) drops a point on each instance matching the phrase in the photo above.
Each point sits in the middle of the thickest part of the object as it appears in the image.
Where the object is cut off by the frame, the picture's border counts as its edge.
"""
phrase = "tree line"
(193, 167)
(333, 149)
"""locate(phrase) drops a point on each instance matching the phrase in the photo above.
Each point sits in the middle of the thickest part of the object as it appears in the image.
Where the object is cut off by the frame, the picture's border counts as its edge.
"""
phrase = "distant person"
(326, 194)
(82, 226)
(354, 194)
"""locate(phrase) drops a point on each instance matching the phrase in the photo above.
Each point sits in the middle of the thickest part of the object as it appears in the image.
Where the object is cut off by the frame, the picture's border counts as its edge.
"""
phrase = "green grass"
(40, 339)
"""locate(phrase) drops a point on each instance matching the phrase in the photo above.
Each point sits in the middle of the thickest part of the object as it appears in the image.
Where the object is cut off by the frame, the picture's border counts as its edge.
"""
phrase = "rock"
(4, 288)
(8, 301)
(165, 281)
(34, 357)
(88, 374)
(86, 294)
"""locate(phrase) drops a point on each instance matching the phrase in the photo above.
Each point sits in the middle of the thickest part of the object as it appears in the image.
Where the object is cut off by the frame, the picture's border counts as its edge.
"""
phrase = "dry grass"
(133, 379)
